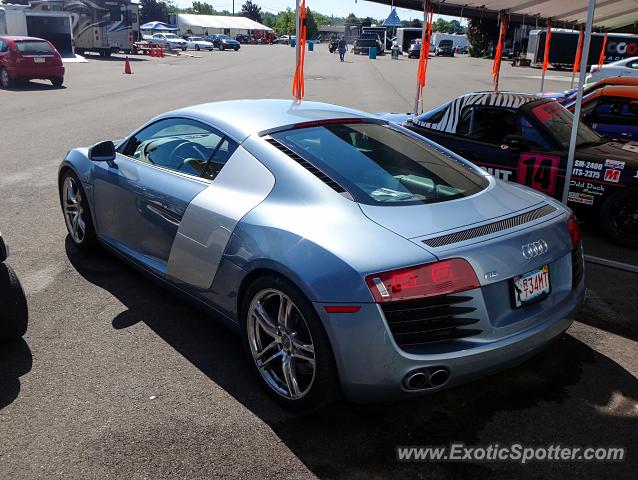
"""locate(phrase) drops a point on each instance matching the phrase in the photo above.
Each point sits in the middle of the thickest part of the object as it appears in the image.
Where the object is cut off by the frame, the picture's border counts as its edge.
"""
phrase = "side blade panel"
(211, 217)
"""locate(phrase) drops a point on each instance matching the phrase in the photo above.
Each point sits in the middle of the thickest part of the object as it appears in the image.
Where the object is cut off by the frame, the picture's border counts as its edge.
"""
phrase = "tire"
(14, 313)
(5, 79)
(316, 384)
(82, 238)
(221, 47)
(619, 217)
(57, 81)
(236, 48)
(197, 48)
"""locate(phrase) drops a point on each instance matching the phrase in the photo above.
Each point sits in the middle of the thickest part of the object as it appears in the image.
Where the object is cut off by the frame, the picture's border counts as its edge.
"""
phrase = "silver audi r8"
(347, 251)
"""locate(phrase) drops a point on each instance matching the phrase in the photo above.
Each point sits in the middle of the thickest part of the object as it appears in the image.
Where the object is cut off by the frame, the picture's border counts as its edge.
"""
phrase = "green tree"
(480, 33)
(252, 11)
(152, 10)
(285, 24)
(312, 31)
(203, 8)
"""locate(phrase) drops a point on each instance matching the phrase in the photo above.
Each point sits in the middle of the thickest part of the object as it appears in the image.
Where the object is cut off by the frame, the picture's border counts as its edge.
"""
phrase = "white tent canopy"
(198, 24)
(609, 14)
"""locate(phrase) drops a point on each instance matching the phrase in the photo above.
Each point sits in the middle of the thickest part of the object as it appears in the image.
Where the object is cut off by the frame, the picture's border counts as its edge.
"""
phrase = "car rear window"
(33, 46)
(378, 164)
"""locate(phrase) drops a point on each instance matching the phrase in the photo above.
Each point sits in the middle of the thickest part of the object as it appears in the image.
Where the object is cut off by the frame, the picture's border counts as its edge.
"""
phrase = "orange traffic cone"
(127, 68)
(152, 52)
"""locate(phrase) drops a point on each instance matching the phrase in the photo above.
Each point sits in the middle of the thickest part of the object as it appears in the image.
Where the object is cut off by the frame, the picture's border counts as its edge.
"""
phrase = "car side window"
(633, 64)
(532, 134)
(180, 144)
(488, 124)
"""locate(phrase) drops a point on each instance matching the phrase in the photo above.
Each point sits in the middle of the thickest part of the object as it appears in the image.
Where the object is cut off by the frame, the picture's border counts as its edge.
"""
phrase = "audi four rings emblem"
(534, 249)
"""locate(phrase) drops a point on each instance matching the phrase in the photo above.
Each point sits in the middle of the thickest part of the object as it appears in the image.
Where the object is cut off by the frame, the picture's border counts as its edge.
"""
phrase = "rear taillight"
(429, 280)
(574, 230)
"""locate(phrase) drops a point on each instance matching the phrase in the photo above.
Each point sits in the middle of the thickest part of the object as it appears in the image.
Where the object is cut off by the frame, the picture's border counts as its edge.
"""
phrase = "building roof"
(185, 20)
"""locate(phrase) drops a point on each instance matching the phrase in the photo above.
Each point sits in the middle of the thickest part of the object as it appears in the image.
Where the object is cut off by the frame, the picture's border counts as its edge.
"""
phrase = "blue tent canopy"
(392, 20)
(159, 26)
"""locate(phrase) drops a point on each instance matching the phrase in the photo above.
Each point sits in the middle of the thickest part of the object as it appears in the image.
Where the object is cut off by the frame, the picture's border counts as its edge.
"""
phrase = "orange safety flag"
(298, 85)
(548, 39)
(496, 66)
(579, 52)
(601, 59)
(425, 49)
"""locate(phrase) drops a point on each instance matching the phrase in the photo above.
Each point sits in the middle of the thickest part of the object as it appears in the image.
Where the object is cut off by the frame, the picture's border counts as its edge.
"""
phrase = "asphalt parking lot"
(116, 378)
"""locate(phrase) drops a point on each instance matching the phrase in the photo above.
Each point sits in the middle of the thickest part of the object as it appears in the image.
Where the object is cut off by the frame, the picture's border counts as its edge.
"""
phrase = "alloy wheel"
(73, 211)
(281, 344)
(4, 78)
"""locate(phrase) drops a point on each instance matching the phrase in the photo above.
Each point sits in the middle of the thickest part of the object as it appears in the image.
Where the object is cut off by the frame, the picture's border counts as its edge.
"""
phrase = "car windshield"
(224, 37)
(170, 35)
(378, 164)
(195, 39)
(445, 44)
(33, 46)
(558, 123)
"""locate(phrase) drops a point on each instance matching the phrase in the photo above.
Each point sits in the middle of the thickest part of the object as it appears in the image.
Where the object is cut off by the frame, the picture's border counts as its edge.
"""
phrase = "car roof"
(242, 118)
(617, 81)
(620, 91)
(19, 38)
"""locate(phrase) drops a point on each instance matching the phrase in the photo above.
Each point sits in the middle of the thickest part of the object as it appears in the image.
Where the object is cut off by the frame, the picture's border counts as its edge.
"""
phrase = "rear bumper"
(373, 368)
(44, 72)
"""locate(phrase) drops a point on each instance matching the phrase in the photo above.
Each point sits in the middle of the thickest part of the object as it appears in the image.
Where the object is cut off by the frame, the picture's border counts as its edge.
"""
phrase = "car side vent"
(490, 228)
(307, 165)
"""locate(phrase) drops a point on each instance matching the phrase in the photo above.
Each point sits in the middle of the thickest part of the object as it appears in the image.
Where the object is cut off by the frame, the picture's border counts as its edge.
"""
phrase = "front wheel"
(619, 217)
(14, 314)
(57, 81)
(77, 213)
(221, 47)
(287, 345)
(197, 47)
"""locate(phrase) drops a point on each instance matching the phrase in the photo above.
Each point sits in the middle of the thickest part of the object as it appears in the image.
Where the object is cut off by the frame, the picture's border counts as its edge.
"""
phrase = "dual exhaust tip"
(426, 378)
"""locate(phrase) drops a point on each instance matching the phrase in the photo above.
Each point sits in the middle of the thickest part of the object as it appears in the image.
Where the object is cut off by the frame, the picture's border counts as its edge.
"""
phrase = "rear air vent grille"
(439, 319)
(490, 228)
(307, 165)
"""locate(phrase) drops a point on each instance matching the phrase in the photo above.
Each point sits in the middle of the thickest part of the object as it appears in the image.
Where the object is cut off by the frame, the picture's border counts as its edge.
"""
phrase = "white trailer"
(405, 37)
(458, 39)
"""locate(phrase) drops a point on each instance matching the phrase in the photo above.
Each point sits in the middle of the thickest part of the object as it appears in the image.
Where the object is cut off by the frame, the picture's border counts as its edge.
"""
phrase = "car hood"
(500, 199)
(617, 150)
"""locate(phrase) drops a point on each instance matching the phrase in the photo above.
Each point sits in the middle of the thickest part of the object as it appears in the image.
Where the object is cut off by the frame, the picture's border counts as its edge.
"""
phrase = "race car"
(346, 250)
(525, 138)
(569, 96)
(14, 314)
(611, 111)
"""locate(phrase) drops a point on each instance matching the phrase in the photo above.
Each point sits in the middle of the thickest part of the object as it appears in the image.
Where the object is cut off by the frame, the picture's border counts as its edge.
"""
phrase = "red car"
(25, 58)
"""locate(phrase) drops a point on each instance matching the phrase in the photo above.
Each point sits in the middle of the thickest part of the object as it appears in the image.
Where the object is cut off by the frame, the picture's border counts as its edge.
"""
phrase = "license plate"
(531, 286)
(39, 59)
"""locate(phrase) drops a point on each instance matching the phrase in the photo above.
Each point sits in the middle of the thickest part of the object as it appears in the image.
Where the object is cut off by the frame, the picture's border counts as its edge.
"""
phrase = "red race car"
(26, 58)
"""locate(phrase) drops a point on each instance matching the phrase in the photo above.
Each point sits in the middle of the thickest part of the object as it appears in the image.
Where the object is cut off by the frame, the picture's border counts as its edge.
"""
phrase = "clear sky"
(341, 8)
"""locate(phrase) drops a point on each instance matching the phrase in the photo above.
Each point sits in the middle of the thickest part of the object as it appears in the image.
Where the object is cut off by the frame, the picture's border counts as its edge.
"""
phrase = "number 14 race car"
(525, 138)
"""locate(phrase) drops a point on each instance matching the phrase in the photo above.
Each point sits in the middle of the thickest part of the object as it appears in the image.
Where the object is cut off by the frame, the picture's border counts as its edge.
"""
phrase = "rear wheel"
(57, 81)
(287, 345)
(14, 314)
(5, 79)
(619, 217)
(221, 47)
(197, 47)
(77, 213)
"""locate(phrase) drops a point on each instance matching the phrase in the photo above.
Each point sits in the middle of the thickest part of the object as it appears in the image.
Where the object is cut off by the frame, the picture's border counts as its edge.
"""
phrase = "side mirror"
(102, 152)
(515, 141)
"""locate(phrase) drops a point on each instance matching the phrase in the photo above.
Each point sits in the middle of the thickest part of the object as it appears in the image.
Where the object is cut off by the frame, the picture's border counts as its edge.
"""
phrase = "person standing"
(342, 48)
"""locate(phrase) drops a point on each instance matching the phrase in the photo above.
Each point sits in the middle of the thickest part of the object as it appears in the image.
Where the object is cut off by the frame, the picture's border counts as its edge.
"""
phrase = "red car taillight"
(432, 279)
(574, 230)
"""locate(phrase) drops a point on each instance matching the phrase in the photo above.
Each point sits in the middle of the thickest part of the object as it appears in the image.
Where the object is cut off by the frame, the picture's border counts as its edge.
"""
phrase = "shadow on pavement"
(569, 395)
(15, 361)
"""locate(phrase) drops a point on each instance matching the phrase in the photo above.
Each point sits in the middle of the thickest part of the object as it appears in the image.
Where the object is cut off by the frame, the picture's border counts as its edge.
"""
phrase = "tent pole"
(426, 4)
(579, 98)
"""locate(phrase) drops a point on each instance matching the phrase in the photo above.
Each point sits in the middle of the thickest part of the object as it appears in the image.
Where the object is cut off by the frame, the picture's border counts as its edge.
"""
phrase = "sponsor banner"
(612, 175)
(580, 198)
(617, 164)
